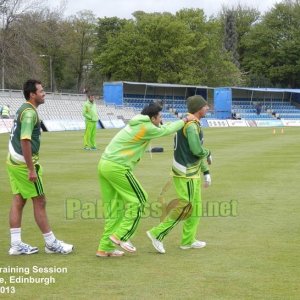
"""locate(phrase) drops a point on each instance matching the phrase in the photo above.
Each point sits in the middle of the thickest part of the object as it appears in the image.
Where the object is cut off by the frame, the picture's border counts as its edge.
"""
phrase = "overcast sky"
(124, 8)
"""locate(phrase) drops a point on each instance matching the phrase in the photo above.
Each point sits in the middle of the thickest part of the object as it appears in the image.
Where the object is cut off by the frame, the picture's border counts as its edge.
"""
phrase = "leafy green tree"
(147, 49)
(167, 42)
(273, 46)
(208, 63)
(230, 36)
(161, 47)
(107, 27)
(244, 17)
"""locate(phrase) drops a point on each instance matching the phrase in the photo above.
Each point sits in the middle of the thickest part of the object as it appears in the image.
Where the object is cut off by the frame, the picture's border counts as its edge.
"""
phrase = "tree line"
(237, 47)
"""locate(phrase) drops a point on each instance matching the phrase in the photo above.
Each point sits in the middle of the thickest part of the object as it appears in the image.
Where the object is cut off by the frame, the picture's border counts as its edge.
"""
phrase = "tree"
(161, 47)
(48, 36)
(151, 48)
(11, 12)
(166, 42)
(230, 36)
(105, 28)
(208, 63)
(83, 45)
(273, 46)
(244, 18)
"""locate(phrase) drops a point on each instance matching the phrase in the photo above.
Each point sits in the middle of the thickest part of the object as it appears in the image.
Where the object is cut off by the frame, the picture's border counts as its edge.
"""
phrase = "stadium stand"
(172, 108)
(64, 111)
(60, 107)
(137, 94)
(246, 109)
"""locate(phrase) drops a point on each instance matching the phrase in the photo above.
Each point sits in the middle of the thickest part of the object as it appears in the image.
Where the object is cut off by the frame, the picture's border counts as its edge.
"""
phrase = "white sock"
(49, 238)
(15, 236)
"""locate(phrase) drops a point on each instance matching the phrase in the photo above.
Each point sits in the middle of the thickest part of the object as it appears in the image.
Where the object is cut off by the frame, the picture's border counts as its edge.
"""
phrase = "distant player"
(91, 118)
(122, 195)
(188, 165)
(25, 174)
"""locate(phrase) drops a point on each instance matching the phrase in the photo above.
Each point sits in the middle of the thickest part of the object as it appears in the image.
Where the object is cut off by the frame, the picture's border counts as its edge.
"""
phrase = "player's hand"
(209, 159)
(207, 180)
(32, 175)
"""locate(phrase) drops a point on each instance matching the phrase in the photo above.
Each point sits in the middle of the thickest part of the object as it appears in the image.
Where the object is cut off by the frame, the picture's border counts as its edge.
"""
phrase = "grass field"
(252, 252)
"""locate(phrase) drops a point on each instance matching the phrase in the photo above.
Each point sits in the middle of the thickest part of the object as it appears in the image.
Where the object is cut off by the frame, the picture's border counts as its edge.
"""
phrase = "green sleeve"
(166, 129)
(203, 166)
(194, 141)
(28, 120)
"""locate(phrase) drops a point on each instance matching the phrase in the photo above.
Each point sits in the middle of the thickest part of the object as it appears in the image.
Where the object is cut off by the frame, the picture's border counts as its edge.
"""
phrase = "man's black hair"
(151, 110)
(30, 87)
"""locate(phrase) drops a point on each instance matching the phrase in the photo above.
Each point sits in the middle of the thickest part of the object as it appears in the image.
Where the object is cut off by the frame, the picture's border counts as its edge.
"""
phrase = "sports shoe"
(86, 148)
(158, 245)
(113, 253)
(93, 148)
(195, 245)
(125, 245)
(58, 247)
(22, 248)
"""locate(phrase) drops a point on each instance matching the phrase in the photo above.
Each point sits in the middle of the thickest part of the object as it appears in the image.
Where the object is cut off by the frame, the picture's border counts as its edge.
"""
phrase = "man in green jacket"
(91, 118)
(122, 195)
(188, 165)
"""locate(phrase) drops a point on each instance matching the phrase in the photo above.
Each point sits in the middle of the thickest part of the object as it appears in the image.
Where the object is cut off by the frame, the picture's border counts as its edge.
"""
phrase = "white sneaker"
(195, 245)
(113, 253)
(22, 248)
(59, 247)
(128, 246)
(158, 245)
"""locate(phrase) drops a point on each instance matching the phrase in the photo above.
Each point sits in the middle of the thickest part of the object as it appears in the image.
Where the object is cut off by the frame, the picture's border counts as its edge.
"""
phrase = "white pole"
(3, 73)
(51, 74)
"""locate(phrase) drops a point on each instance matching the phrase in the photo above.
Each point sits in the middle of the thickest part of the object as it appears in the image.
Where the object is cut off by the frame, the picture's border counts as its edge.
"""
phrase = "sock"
(15, 236)
(49, 238)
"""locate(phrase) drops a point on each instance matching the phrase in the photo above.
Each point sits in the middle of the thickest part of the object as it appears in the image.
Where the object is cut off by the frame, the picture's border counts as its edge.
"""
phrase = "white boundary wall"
(64, 125)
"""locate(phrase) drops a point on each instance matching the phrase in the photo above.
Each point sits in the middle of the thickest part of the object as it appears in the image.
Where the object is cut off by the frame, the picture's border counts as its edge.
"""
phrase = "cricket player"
(91, 118)
(188, 166)
(25, 174)
(122, 195)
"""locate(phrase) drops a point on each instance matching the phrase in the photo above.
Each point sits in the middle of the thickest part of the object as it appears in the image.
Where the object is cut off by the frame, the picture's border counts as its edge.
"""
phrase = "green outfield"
(250, 223)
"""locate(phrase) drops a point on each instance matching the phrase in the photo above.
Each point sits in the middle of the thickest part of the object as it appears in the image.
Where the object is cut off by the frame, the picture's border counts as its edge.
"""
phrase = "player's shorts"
(20, 184)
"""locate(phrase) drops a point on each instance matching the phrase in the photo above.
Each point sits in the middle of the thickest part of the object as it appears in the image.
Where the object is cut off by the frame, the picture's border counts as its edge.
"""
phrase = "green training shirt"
(188, 151)
(26, 127)
(90, 111)
(129, 144)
